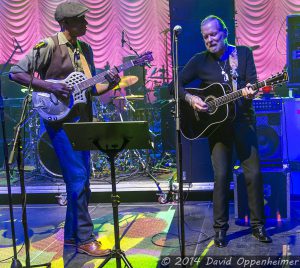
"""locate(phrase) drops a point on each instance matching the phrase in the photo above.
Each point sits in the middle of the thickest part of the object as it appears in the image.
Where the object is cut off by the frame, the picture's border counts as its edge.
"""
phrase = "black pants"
(242, 135)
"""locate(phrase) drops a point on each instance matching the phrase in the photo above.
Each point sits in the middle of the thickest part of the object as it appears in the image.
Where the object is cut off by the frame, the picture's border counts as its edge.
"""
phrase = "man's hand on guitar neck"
(196, 102)
(248, 92)
(113, 79)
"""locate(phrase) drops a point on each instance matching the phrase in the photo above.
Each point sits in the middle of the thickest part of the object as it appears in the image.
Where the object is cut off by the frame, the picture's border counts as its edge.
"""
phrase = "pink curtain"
(263, 23)
(30, 20)
(259, 22)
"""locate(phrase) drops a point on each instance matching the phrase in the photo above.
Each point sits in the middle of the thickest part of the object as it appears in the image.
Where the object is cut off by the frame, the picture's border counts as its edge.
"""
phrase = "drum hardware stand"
(165, 33)
(161, 194)
(17, 146)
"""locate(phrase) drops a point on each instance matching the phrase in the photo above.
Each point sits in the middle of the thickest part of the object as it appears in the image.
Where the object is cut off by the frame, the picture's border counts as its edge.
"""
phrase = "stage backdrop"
(260, 22)
(146, 24)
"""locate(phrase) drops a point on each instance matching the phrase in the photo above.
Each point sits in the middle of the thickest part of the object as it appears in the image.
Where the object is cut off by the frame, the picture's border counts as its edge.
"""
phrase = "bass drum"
(47, 156)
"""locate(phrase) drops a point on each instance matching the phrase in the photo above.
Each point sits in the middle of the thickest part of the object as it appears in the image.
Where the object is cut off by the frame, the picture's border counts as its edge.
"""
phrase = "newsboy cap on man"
(69, 10)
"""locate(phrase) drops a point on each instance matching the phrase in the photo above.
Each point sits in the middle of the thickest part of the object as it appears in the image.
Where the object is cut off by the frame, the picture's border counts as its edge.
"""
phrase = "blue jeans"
(75, 166)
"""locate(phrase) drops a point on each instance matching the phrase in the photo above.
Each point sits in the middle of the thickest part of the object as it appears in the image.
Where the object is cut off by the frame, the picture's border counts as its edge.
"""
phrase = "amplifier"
(276, 183)
(267, 105)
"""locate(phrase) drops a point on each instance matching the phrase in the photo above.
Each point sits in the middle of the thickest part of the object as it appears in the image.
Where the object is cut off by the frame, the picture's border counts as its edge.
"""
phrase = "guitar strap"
(234, 63)
(85, 66)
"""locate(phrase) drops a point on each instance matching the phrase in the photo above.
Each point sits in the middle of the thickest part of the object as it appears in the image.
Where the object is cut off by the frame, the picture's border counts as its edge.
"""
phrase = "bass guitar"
(220, 104)
(52, 108)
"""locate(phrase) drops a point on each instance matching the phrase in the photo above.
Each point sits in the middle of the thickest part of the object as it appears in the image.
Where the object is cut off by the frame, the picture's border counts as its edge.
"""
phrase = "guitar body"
(50, 107)
(202, 124)
(220, 101)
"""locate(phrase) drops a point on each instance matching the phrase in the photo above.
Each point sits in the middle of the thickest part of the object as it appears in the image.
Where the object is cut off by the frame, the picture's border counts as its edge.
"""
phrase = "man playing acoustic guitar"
(223, 63)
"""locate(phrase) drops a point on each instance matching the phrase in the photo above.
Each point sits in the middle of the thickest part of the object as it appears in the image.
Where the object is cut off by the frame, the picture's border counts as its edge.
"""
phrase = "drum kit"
(39, 155)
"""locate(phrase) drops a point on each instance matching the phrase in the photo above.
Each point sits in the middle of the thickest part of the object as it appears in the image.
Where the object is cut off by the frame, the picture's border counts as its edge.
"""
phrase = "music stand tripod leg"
(117, 252)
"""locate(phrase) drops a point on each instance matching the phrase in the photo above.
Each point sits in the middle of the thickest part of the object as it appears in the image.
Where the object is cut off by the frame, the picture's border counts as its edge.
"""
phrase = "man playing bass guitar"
(223, 63)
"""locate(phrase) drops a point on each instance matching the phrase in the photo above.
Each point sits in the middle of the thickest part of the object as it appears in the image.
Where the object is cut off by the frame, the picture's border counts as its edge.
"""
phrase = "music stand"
(110, 138)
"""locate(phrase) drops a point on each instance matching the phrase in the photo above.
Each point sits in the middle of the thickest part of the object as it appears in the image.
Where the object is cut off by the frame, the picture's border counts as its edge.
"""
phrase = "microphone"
(123, 39)
(153, 71)
(18, 45)
(177, 30)
(40, 45)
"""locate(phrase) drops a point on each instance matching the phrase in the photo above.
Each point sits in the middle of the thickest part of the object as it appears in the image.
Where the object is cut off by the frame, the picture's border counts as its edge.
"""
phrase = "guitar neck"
(100, 78)
(234, 95)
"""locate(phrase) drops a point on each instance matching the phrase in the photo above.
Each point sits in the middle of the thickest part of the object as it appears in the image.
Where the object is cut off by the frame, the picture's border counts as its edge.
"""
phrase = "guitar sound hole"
(212, 109)
(211, 105)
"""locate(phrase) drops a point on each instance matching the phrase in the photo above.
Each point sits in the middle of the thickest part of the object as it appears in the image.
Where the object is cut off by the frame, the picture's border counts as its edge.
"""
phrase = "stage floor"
(149, 232)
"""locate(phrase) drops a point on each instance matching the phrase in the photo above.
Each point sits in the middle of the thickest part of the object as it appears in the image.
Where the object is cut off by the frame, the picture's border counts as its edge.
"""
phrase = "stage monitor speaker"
(276, 182)
(269, 130)
(139, 87)
(293, 50)
(292, 130)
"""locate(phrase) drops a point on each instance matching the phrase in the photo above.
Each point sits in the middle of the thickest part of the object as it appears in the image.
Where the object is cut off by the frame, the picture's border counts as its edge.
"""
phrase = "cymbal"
(130, 97)
(255, 47)
(24, 89)
(126, 81)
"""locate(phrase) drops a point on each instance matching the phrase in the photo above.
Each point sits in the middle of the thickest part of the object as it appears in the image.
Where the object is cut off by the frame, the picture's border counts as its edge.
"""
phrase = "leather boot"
(220, 239)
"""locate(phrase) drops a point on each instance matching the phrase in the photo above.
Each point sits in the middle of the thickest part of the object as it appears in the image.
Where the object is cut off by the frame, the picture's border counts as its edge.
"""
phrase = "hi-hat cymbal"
(126, 81)
(130, 97)
(24, 89)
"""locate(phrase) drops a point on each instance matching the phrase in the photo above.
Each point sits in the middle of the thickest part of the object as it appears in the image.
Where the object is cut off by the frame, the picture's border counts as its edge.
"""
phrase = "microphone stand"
(178, 144)
(15, 262)
(20, 161)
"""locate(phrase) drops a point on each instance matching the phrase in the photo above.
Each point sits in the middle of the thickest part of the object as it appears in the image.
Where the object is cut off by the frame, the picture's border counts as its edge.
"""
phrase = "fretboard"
(233, 95)
(100, 78)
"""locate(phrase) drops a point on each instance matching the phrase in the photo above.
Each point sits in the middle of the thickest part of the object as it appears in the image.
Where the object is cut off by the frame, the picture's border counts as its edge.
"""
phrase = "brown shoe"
(93, 249)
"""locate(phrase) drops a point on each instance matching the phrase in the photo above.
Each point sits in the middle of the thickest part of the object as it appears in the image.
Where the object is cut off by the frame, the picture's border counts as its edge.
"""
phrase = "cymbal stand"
(142, 162)
(165, 33)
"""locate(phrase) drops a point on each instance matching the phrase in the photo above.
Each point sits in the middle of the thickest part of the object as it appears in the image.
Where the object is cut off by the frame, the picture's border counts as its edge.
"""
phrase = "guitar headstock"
(277, 78)
(143, 58)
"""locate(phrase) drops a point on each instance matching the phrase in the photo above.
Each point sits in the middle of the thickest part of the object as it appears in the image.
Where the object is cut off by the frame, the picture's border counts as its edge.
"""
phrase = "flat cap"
(69, 10)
